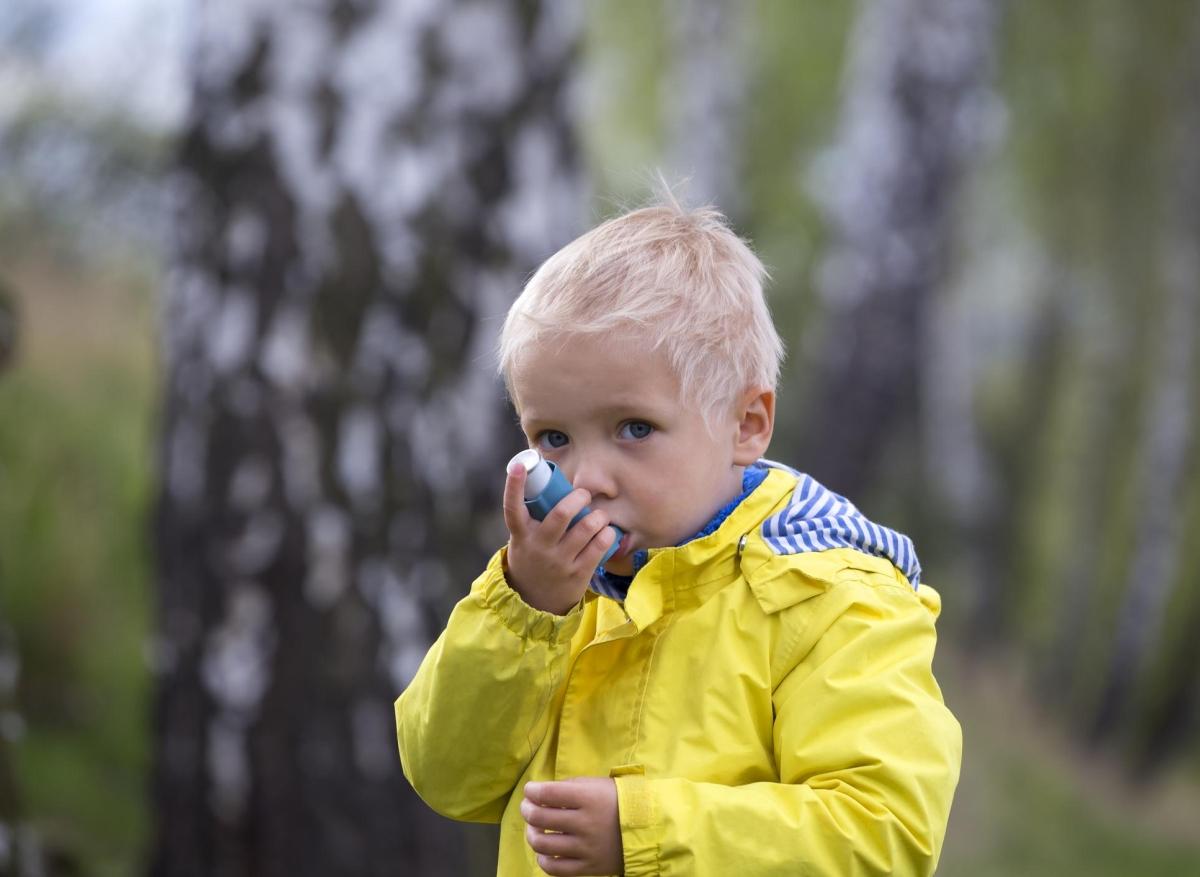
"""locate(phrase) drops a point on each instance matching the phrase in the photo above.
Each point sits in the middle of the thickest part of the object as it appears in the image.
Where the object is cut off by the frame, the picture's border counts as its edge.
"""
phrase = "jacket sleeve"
(867, 754)
(477, 709)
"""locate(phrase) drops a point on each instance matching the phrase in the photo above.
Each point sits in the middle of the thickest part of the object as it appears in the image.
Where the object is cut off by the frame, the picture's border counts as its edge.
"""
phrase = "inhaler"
(545, 485)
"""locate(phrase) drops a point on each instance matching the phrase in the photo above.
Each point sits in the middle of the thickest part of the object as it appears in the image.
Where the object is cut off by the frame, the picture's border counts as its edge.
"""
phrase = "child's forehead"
(597, 373)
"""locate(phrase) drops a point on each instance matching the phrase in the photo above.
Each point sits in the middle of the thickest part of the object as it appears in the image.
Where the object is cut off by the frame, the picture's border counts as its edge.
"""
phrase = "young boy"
(745, 687)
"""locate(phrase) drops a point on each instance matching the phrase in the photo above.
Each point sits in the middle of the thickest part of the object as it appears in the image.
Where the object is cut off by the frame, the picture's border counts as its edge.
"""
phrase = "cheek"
(675, 511)
(657, 504)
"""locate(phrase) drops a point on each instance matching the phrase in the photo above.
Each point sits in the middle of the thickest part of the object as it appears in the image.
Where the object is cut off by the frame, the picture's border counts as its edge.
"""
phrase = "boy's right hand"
(549, 565)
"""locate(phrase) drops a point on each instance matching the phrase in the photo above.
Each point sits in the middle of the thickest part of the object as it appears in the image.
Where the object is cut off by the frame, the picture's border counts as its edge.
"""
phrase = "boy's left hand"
(584, 812)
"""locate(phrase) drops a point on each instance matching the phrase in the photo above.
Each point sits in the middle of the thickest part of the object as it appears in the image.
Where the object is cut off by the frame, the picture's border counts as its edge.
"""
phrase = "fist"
(573, 826)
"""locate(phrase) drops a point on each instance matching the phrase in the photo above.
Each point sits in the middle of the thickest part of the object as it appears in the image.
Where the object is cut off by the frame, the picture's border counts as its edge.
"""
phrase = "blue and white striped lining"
(817, 519)
(607, 584)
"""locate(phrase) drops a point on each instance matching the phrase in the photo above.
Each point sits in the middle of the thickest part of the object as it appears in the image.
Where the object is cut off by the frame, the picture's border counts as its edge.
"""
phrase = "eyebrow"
(618, 410)
(638, 408)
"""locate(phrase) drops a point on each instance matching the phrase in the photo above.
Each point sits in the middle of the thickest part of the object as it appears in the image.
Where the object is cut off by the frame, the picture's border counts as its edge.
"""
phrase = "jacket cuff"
(637, 811)
(493, 592)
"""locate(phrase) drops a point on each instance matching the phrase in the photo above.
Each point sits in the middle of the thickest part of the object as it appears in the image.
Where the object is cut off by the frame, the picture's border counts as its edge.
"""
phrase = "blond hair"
(679, 279)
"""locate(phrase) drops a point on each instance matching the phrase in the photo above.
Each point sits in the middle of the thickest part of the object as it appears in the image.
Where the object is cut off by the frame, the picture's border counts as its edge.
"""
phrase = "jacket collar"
(687, 575)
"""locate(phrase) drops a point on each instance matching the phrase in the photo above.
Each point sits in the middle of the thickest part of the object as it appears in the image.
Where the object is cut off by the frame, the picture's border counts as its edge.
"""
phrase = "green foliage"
(623, 134)
(1088, 87)
(75, 455)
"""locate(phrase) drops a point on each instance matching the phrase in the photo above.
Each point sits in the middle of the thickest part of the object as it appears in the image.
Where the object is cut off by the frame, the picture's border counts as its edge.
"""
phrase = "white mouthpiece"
(537, 471)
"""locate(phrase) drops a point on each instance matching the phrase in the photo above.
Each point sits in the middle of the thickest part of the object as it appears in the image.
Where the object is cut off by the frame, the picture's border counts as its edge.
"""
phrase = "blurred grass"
(75, 468)
(1032, 803)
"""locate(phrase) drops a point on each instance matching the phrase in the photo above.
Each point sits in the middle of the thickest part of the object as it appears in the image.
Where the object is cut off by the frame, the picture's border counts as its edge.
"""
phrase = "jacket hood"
(817, 519)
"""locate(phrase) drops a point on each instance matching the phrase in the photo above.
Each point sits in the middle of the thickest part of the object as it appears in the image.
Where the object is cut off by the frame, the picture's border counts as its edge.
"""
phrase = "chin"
(620, 567)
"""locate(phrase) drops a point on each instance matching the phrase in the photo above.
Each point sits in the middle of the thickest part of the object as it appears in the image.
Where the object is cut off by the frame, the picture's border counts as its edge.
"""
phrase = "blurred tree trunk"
(1080, 374)
(9, 321)
(361, 190)
(1167, 448)
(21, 853)
(915, 99)
(706, 80)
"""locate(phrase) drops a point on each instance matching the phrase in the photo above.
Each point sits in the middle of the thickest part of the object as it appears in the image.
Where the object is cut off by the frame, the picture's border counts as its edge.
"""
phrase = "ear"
(755, 414)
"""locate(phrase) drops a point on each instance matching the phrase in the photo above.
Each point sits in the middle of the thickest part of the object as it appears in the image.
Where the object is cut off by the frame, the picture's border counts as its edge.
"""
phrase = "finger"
(564, 867)
(554, 794)
(516, 516)
(577, 539)
(596, 547)
(560, 517)
(553, 844)
(552, 818)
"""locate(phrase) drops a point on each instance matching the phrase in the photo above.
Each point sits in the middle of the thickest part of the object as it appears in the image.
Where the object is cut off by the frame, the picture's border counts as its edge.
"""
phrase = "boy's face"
(609, 414)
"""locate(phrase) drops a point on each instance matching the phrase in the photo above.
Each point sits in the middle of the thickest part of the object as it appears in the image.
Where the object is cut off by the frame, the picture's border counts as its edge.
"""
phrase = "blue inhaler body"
(545, 485)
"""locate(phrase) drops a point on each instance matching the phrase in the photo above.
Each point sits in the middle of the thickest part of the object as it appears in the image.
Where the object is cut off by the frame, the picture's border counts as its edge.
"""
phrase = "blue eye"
(636, 429)
(552, 439)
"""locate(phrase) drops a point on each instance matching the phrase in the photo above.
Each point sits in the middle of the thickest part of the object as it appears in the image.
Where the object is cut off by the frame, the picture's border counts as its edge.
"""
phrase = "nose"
(595, 475)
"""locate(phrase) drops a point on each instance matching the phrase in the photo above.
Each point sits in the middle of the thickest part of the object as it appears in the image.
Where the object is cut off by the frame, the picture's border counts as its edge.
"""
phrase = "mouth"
(624, 549)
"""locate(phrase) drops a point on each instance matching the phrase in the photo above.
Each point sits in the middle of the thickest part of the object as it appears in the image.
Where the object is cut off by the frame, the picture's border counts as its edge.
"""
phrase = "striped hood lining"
(817, 519)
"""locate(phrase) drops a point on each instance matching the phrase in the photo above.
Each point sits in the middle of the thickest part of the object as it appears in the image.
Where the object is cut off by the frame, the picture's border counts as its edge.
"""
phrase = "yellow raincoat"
(762, 713)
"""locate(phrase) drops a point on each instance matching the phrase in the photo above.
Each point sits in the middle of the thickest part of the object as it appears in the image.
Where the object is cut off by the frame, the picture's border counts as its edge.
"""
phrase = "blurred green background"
(1058, 265)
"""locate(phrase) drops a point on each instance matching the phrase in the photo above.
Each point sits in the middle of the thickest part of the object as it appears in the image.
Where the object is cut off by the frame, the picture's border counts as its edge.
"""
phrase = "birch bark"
(916, 99)
(1168, 443)
(361, 189)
